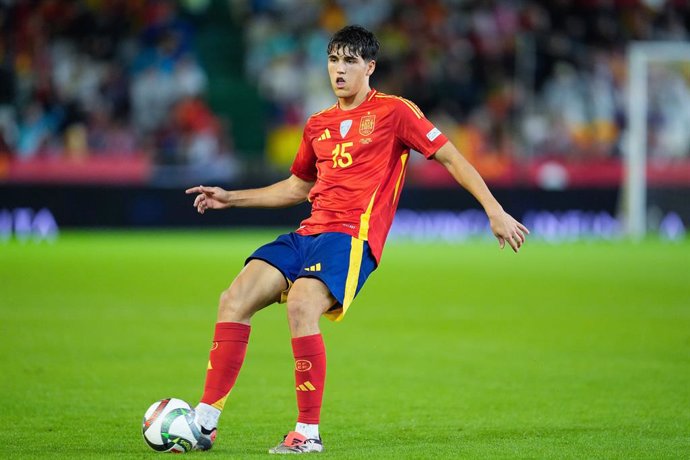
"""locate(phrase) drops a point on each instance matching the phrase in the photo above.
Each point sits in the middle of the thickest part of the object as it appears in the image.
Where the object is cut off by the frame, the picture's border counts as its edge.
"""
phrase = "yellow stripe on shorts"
(356, 251)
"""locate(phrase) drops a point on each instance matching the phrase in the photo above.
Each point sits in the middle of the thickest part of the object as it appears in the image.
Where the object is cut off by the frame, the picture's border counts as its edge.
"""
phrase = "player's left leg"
(334, 269)
(309, 298)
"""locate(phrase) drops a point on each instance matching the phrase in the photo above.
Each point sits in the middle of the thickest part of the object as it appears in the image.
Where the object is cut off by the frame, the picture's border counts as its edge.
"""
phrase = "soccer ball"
(169, 426)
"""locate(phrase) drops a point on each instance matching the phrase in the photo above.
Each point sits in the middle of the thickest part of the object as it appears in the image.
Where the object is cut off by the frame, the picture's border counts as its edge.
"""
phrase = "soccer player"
(351, 167)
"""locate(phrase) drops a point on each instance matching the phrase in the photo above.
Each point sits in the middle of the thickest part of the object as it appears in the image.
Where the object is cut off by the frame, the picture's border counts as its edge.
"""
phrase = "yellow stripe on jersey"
(403, 160)
(356, 252)
(364, 219)
(418, 113)
(325, 110)
(413, 106)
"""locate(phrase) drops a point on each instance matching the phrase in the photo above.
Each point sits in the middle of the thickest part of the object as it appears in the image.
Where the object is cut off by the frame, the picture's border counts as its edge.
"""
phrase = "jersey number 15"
(341, 157)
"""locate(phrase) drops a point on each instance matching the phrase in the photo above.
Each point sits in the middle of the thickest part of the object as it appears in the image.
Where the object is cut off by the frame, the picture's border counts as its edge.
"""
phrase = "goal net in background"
(656, 186)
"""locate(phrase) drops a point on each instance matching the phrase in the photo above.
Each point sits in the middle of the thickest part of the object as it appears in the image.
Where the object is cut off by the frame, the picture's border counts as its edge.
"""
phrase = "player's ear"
(371, 65)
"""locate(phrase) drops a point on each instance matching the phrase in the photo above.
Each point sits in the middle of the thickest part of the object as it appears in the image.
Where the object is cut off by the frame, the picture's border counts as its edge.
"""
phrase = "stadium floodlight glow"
(640, 56)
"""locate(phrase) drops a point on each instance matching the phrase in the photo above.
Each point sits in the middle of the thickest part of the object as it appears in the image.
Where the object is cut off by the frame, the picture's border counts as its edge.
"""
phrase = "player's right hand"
(209, 198)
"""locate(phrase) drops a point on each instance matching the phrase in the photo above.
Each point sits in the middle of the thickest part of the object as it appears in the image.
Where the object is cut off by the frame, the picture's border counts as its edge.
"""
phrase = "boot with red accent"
(296, 443)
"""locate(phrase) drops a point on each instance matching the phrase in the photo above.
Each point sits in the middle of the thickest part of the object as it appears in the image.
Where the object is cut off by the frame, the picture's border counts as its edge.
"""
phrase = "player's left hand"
(508, 230)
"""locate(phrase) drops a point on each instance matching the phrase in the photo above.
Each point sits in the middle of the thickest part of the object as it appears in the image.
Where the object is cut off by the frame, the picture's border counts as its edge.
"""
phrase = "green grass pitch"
(579, 350)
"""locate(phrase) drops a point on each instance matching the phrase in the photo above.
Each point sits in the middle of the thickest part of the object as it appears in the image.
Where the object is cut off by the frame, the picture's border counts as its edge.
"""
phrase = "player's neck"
(352, 102)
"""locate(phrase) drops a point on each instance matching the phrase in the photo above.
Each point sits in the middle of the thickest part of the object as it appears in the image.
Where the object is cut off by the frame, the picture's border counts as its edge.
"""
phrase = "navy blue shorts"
(343, 263)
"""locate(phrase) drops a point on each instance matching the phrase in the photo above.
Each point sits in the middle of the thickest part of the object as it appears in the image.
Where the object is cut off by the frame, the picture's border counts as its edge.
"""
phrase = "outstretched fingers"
(501, 241)
(512, 232)
(201, 189)
(200, 202)
(517, 236)
(515, 241)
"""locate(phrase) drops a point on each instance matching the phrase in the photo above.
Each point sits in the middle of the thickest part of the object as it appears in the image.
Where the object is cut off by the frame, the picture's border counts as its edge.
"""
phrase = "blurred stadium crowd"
(104, 78)
(504, 79)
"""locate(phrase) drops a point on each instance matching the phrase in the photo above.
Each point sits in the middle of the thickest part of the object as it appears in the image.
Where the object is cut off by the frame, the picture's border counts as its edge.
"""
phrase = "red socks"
(227, 355)
(225, 360)
(310, 376)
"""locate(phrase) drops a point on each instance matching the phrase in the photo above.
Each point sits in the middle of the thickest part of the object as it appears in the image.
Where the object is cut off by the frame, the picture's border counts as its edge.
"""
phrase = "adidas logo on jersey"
(314, 268)
(326, 135)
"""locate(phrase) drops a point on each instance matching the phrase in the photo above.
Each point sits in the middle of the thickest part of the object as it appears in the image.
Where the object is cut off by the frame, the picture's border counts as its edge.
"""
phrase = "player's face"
(349, 73)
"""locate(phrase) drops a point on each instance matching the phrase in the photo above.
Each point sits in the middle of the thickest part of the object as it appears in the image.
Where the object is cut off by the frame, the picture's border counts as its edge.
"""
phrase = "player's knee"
(230, 306)
(300, 308)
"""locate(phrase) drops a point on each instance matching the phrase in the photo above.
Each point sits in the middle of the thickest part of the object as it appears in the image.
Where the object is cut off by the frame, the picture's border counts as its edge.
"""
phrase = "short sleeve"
(416, 131)
(304, 165)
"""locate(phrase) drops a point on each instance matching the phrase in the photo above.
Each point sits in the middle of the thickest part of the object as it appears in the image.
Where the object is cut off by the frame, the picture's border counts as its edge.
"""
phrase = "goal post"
(640, 56)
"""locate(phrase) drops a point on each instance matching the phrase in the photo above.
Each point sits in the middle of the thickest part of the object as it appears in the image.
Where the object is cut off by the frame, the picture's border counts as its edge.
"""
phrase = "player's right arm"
(288, 192)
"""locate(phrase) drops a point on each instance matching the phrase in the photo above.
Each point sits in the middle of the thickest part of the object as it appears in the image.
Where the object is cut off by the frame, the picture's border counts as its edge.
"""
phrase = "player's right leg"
(258, 285)
(335, 267)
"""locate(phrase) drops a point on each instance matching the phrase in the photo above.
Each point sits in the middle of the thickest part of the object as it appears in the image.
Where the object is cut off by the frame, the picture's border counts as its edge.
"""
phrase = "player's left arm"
(504, 226)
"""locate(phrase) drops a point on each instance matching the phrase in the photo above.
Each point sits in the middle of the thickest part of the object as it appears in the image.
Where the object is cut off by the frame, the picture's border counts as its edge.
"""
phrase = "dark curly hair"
(356, 41)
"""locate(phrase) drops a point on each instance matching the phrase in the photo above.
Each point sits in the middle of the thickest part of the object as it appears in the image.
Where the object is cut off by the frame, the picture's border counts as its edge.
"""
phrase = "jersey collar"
(370, 95)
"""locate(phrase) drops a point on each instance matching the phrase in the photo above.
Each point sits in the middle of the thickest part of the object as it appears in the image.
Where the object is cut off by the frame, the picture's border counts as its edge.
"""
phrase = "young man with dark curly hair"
(351, 167)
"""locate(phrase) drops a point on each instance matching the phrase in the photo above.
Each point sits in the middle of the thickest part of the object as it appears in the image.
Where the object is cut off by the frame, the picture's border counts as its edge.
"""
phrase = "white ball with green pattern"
(169, 426)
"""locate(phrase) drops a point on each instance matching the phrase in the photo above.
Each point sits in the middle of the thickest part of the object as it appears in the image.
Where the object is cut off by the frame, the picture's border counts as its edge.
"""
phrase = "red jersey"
(358, 159)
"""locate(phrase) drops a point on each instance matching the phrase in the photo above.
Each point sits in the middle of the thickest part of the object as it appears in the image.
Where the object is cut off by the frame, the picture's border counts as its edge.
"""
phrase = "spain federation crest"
(366, 125)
